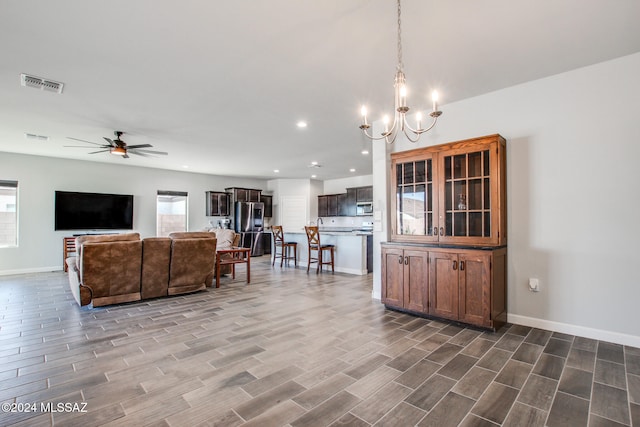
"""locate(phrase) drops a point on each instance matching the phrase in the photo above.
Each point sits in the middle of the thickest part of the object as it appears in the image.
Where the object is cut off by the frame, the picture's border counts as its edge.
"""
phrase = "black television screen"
(93, 211)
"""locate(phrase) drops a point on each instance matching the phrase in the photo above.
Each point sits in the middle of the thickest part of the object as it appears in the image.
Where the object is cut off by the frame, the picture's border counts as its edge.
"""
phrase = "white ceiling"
(220, 85)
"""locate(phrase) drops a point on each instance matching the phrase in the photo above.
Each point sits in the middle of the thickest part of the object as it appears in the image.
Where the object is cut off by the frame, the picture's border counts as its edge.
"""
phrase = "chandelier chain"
(400, 124)
(400, 64)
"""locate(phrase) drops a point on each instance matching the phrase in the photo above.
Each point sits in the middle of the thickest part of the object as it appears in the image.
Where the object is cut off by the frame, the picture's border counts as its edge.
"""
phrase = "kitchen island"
(350, 248)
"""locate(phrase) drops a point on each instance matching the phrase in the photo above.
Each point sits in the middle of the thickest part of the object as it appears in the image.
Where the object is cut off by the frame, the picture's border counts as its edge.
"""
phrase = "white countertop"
(337, 232)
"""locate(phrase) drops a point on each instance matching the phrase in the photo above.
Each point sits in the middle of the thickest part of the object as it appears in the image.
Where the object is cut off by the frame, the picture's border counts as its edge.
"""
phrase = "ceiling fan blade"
(111, 143)
(126, 156)
(101, 151)
(138, 153)
(84, 146)
(163, 153)
(140, 146)
(82, 140)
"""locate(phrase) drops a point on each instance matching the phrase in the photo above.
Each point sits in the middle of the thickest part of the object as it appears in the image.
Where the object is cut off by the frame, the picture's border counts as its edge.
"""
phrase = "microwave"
(364, 208)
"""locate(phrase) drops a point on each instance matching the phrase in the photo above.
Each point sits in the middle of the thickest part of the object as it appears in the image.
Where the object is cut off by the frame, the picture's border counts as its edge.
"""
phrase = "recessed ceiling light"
(365, 151)
(314, 163)
(301, 124)
(352, 170)
(276, 170)
(185, 166)
(314, 176)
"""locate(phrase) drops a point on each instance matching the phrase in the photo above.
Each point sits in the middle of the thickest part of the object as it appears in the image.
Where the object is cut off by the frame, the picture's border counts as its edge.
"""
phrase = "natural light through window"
(8, 213)
(171, 212)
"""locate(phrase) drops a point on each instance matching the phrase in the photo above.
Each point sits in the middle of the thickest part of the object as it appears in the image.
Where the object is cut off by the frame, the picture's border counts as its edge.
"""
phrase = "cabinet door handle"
(455, 265)
(406, 260)
(400, 259)
(461, 265)
(441, 231)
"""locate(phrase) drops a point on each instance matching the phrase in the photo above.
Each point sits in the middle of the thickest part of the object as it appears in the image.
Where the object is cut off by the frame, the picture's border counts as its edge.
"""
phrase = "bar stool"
(278, 242)
(313, 238)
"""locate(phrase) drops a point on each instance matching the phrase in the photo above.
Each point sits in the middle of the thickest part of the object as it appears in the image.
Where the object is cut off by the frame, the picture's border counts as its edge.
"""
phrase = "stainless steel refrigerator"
(249, 222)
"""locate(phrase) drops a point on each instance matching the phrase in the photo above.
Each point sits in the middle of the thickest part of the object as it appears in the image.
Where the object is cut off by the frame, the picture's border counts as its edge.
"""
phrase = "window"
(171, 212)
(8, 213)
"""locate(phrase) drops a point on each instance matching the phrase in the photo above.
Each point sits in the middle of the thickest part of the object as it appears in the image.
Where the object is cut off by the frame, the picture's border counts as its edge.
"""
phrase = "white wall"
(337, 186)
(573, 146)
(40, 247)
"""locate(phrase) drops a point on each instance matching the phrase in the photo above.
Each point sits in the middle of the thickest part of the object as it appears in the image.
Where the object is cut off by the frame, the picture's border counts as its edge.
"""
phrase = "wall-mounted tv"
(93, 211)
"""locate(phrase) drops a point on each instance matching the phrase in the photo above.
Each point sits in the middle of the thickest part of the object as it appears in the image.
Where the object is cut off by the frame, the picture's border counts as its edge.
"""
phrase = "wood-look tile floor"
(292, 349)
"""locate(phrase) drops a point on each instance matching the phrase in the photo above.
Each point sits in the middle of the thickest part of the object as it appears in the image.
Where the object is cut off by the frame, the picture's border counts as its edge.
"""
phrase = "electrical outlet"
(534, 285)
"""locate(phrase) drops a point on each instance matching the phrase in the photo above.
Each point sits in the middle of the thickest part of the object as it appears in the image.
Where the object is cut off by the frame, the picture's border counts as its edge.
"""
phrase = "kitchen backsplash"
(345, 221)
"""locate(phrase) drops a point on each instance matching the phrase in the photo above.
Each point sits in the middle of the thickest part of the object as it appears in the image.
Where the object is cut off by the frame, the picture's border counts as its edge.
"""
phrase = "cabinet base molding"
(496, 324)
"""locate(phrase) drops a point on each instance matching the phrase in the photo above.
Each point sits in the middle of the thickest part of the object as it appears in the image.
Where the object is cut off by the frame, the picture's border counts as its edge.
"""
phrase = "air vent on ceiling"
(40, 83)
(36, 137)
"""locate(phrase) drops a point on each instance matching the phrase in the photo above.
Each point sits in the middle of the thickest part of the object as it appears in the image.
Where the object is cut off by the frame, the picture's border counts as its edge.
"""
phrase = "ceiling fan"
(118, 147)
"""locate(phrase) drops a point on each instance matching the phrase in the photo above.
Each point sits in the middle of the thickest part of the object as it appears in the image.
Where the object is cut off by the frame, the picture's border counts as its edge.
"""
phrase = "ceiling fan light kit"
(118, 151)
(401, 108)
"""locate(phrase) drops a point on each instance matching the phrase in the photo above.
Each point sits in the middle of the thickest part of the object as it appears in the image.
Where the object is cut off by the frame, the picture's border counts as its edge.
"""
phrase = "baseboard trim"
(582, 331)
(30, 270)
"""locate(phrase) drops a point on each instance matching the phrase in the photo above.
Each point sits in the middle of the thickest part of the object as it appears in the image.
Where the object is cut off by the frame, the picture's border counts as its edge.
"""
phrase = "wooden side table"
(68, 249)
(238, 256)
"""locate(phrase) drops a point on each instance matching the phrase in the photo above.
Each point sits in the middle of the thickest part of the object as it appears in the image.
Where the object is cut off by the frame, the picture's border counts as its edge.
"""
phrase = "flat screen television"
(93, 211)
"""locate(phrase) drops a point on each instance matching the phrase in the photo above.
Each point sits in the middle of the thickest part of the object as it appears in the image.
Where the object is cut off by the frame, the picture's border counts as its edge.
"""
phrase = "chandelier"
(400, 124)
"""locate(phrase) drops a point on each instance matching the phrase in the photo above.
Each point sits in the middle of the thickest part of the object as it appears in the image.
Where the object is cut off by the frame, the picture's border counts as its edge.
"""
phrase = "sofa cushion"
(156, 255)
(192, 263)
(112, 271)
(101, 238)
(225, 238)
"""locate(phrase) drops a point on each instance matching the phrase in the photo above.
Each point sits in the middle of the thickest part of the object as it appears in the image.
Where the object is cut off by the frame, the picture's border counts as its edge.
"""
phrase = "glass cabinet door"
(414, 187)
(466, 195)
(450, 194)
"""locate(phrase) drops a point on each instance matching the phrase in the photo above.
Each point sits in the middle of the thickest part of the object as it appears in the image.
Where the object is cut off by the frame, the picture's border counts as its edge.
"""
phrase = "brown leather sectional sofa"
(111, 269)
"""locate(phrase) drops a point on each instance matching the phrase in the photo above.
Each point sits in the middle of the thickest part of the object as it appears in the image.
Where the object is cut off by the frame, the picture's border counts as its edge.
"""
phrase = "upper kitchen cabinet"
(364, 194)
(267, 200)
(328, 205)
(217, 203)
(452, 193)
(244, 194)
(347, 203)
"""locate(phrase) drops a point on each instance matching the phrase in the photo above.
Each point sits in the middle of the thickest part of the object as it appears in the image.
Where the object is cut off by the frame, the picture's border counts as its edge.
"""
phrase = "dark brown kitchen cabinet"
(268, 205)
(364, 194)
(350, 202)
(323, 206)
(328, 205)
(343, 205)
(405, 274)
(244, 194)
(217, 203)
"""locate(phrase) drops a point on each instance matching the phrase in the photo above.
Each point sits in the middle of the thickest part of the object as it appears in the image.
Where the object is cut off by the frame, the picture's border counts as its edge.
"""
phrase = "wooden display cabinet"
(449, 205)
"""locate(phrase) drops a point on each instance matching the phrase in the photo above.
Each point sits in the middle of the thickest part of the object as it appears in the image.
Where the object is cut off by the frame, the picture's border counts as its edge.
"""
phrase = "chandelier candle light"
(399, 118)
